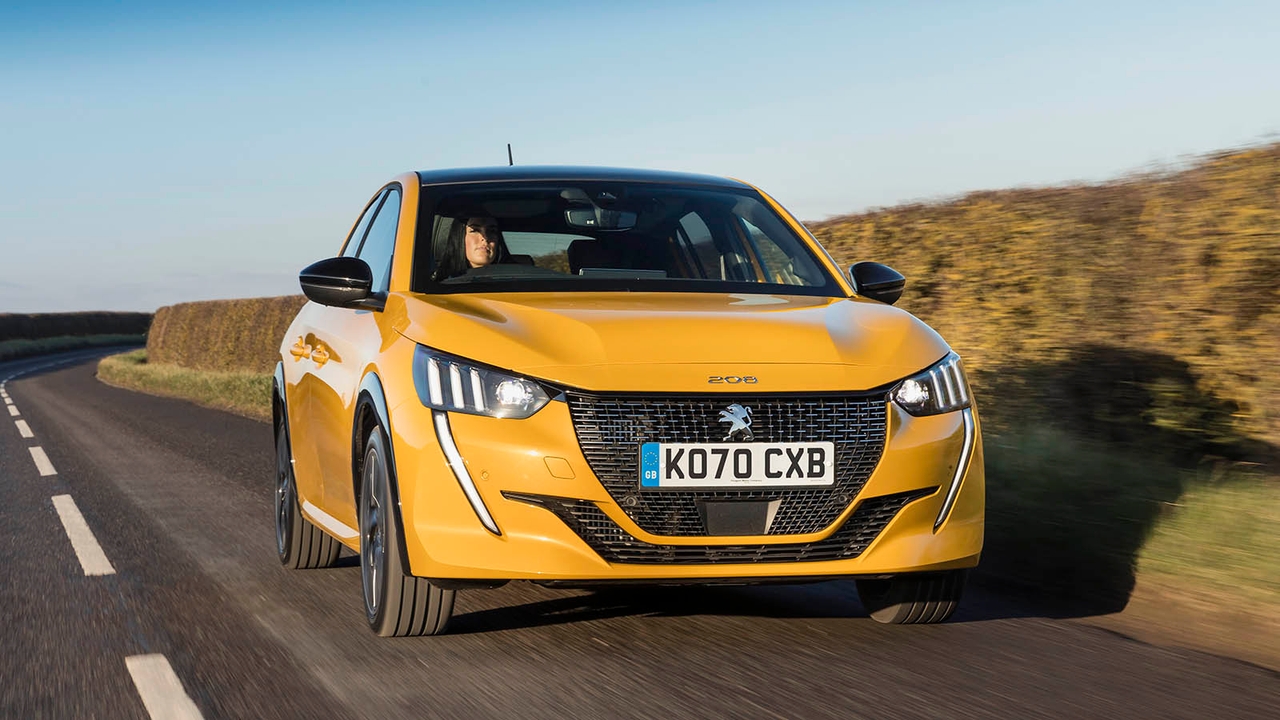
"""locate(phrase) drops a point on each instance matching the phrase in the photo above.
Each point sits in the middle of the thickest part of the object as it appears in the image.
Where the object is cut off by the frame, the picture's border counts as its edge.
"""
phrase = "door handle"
(319, 355)
(300, 350)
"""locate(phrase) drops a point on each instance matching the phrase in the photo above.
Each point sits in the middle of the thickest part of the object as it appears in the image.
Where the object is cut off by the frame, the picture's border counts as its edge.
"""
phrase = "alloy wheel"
(372, 532)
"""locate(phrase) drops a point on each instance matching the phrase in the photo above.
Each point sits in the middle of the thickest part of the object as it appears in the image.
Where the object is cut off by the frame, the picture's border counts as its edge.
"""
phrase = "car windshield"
(601, 236)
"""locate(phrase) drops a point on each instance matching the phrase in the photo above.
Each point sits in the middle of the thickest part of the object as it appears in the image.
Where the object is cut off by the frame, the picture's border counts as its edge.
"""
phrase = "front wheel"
(396, 603)
(913, 599)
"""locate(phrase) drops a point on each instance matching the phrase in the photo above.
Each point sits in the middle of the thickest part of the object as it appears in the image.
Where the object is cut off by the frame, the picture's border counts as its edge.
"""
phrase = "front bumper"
(525, 471)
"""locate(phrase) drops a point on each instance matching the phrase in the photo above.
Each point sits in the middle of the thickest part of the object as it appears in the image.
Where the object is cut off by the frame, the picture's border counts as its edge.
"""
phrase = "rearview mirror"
(338, 282)
(598, 218)
(877, 282)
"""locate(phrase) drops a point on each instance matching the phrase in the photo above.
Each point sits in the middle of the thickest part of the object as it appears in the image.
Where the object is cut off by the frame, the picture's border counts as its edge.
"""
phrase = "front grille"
(611, 429)
(616, 545)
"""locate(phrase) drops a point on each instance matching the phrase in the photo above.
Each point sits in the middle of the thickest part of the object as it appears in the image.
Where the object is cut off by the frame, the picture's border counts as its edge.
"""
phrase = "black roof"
(562, 172)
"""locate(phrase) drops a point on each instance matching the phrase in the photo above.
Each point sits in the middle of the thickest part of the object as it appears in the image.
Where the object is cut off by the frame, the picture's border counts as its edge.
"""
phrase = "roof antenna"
(509, 160)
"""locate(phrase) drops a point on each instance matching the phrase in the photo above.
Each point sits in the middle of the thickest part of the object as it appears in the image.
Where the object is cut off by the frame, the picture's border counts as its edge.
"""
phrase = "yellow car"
(580, 376)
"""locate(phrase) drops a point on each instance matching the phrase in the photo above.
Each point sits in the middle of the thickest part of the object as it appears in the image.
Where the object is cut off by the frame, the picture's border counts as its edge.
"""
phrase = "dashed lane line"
(42, 461)
(161, 690)
(92, 559)
(159, 687)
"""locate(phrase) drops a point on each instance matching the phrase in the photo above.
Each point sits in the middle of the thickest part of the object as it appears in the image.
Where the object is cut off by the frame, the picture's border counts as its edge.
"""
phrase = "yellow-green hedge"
(223, 335)
(1153, 300)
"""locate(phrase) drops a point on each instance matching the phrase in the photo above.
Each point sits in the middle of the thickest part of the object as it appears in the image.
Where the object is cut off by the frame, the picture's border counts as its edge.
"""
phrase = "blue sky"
(153, 154)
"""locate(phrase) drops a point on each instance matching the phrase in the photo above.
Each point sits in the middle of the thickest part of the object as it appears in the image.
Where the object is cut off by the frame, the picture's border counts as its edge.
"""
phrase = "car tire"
(299, 543)
(912, 599)
(396, 603)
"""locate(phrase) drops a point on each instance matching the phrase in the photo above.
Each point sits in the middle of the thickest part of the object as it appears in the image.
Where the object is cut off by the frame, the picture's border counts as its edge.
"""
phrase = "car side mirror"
(339, 282)
(877, 282)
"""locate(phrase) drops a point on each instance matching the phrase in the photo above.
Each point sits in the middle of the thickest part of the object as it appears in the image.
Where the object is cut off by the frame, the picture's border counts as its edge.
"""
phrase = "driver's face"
(482, 241)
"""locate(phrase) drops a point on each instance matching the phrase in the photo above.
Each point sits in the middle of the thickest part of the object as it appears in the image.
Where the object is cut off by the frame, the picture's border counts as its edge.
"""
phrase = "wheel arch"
(371, 411)
(277, 396)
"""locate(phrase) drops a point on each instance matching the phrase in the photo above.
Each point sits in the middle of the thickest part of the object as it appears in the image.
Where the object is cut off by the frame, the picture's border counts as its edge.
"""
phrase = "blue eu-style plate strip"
(650, 467)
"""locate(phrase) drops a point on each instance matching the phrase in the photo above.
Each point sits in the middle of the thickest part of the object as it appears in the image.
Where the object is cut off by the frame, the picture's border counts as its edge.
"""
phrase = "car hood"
(647, 342)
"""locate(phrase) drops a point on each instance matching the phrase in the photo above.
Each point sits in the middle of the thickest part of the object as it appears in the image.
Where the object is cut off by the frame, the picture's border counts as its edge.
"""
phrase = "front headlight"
(445, 382)
(942, 388)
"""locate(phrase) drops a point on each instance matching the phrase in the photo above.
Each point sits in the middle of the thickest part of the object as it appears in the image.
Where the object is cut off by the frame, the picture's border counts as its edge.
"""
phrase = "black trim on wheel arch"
(370, 393)
(277, 391)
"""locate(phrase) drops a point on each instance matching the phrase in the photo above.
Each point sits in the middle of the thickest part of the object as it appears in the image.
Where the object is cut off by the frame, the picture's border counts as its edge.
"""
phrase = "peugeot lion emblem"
(739, 419)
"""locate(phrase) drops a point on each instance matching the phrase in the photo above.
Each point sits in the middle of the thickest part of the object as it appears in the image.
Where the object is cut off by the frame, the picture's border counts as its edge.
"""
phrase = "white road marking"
(161, 690)
(92, 559)
(8, 400)
(13, 411)
(42, 461)
(23, 429)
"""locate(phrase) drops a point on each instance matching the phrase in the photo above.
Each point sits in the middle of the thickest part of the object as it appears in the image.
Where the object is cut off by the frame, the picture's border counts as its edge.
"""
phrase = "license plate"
(736, 465)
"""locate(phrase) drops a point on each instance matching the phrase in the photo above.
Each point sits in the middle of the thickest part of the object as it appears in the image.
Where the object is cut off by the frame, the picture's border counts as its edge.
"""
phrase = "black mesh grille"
(616, 545)
(611, 428)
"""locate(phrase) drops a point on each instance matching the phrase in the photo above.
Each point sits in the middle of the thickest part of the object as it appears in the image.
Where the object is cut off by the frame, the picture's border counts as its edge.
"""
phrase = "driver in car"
(473, 242)
(484, 242)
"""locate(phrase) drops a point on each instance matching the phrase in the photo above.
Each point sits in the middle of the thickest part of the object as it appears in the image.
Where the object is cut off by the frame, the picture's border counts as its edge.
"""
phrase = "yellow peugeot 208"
(585, 375)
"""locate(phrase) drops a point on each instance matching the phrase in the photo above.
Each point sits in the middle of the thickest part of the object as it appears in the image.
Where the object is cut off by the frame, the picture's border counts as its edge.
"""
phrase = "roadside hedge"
(224, 335)
(1147, 305)
(36, 326)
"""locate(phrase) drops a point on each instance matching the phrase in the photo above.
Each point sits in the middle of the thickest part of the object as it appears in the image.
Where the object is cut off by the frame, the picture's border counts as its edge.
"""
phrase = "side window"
(778, 265)
(352, 244)
(381, 240)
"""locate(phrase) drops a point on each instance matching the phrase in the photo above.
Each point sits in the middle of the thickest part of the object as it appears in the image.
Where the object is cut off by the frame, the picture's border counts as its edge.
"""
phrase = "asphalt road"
(178, 499)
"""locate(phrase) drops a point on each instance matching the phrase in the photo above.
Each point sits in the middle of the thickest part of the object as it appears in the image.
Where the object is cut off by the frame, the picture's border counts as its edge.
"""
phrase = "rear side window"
(381, 240)
(352, 244)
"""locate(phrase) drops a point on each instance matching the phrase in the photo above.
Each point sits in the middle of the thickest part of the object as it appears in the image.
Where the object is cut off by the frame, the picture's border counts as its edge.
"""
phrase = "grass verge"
(13, 349)
(243, 393)
(1221, 538)
(1208, 576)
(1094, 528)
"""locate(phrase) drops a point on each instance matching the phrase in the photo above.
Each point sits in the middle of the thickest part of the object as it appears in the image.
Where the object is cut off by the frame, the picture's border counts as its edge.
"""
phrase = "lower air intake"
(616, 545)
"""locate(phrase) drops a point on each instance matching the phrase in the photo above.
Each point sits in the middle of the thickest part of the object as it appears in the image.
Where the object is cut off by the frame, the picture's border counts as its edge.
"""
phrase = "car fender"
(371, 395)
